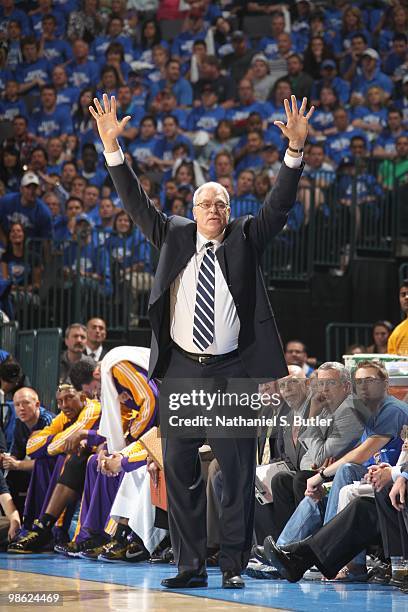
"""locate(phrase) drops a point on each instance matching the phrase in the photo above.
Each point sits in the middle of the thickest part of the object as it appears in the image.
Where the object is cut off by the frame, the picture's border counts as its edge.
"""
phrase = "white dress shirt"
(97, 353)
(183, 292)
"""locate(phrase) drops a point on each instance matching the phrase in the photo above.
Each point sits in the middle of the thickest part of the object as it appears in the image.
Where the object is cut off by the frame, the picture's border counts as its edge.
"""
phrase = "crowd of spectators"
(202, 103)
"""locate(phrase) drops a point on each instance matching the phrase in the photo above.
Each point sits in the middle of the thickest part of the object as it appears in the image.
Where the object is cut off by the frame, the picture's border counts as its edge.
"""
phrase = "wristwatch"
(323, 477)
(295, 150)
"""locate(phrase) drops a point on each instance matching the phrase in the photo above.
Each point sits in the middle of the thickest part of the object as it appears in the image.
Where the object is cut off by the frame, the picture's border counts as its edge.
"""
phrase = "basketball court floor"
(93, 586)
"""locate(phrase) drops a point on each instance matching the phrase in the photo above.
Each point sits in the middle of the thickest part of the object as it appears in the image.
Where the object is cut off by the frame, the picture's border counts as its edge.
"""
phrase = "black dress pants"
(393, 526)
(288, 491)
(186, 489)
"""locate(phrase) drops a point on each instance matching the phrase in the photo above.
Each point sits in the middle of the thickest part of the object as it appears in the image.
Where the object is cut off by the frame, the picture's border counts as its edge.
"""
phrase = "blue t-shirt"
(68, 96)
(181, 89)
(388, 421)
(337, 146)
(124, 252)
(101, 43)
(41, 69)
(205, 119)
(19, 270)
(3, 355)
(15, 15)
(36, 220)
(164, 148)
(22, 432)
(340, 87)
(92, 260)
(142, 149)
(83, 75)
(244, 205)
(183, 44)
(361, 84)
(48, 125)
(5, 75)
(36, 23)
(57, 51)
(240, 113)
(8, 110)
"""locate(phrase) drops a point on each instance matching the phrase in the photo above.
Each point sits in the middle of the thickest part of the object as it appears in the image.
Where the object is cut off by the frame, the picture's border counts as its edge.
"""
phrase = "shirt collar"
(202, 241)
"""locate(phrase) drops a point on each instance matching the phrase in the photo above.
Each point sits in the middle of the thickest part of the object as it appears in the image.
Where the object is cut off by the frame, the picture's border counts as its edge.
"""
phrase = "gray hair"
(345, 375)
(212, 185)
(74, 326)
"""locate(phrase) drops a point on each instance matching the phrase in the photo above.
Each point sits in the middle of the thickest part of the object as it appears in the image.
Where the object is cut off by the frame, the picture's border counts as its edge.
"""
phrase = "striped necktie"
(203, 329)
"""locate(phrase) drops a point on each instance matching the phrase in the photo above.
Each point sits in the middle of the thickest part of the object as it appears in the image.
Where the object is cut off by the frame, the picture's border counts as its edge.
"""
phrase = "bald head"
(27, 406)
(293, 388)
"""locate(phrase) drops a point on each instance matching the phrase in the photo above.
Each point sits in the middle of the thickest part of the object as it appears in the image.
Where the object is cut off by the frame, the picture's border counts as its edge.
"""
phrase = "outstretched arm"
(152, 223)
(274, 213)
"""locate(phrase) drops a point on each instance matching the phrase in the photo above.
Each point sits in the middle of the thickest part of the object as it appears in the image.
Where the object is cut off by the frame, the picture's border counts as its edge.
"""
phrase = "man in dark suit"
(363, 522)
(211, 319)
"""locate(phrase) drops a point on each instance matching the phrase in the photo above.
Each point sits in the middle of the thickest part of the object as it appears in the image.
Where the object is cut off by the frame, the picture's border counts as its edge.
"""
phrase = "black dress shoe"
(232, 580)
(259, 553)
(380, 573)
(186, 580)
(289, 564)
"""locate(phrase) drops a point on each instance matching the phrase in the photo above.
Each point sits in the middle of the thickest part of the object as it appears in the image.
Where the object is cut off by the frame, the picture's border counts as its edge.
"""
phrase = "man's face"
(26, 404)
(226, 182)
(91, 196)
(294, 65)
(402, 147)
(211, 221)
(369, 386)
(74, 208)
(340, 120)
(147, 129)
(368, 63)
(399, 47)
(80, 50)
(70, 402)
(30, 53)
(332, 390)
(169, 128)
(59, 77)
(124, 96)
(245, 183)
(48, 27)
(173, 72)
(106, 208)
(357, 148)
(260, 69)
(254, 142)
(245, 92)
(68, 173)
(29, 193)
(295, 354)
(223, 166)
(76, 340)
(48, 98)
(169, 102)
(316, 157)
(77, 187)
(358, 45)
(55, 148)
(403, 297)
(394, 121)
(284, 43)
(13, 30)
(96, 329)
(89, 158)
(115, 27)
(209, 71)
(38, 160)
(278, 25)
(293, 390)
(11, 89)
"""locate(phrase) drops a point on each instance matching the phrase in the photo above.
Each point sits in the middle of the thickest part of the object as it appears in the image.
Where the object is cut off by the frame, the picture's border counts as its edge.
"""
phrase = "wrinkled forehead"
(212, 194)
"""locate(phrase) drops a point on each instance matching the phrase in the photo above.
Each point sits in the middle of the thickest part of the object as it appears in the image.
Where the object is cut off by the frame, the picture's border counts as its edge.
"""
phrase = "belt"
(206, 359)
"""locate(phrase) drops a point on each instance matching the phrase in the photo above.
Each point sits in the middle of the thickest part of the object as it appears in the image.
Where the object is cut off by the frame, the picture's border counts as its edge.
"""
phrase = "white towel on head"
(111, 419)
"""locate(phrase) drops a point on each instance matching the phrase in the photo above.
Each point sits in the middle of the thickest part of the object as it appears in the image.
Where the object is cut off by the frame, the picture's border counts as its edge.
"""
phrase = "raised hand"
(109, 127)
(297, 124)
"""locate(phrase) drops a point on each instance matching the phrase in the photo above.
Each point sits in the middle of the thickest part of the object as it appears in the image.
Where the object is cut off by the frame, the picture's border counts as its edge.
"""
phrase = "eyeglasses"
(331, 383)
(208, 205)
(368, 381)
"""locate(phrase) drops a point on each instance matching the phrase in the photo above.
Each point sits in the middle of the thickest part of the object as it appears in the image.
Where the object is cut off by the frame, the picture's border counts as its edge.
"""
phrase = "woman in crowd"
(381, 332)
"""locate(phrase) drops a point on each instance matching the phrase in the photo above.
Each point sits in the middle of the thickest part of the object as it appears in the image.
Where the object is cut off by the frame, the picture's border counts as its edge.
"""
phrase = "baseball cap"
(208, 88)
(328, 63)
(237, 35)
(371, 53)
(259, 57)
(83, 217)
(30, 178)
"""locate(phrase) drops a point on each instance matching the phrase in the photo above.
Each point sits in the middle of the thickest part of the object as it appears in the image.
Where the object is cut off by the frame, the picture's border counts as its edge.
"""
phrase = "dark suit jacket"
(239, 258)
